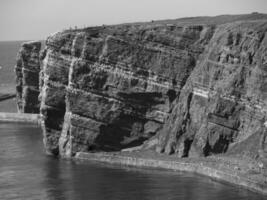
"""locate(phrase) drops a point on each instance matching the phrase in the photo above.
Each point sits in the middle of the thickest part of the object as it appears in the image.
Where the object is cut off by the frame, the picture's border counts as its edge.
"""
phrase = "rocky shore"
(242, 173)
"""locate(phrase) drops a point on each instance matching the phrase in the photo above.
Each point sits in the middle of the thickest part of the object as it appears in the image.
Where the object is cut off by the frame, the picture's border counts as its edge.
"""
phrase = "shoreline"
(19, 117)
(4, 97)
(228, 175)
(222, 170)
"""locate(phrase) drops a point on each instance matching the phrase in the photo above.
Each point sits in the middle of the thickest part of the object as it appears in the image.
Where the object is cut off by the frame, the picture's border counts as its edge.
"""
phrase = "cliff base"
(243, 173)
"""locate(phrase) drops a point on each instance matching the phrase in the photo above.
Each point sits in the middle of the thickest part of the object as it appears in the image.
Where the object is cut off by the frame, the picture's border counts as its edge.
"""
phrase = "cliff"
(222, 107)
(193, 88)
(27, 77)
(109, 88)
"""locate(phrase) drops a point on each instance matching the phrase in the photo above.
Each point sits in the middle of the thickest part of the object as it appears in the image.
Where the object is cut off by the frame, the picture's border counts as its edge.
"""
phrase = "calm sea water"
(27, 173)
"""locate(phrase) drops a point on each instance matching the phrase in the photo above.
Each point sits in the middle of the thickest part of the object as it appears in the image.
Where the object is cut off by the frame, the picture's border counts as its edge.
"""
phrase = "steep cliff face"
(27, 77)
(185, 89)
(222, 107)
(110, 88)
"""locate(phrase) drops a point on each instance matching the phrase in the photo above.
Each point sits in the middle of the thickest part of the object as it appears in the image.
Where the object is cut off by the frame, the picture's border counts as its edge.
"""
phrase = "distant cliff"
(27, 77)
(192, 87)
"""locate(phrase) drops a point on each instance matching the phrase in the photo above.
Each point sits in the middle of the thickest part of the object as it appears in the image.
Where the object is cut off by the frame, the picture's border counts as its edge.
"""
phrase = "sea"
(8, 54)
(27, 173)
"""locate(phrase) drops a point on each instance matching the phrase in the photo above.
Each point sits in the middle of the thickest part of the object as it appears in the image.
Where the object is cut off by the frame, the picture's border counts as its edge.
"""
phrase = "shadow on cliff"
(128, 130)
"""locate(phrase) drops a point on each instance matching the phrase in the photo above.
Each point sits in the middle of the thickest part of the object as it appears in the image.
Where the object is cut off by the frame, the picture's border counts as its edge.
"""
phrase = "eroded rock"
(27, 77)
(186, 89)
(223, 104)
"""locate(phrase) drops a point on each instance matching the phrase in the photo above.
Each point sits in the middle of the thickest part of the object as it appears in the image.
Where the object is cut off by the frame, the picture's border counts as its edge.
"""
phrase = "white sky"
(35, 19)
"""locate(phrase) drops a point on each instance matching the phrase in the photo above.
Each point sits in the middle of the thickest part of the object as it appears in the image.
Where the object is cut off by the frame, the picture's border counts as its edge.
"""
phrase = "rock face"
(110, 88)
(223, 105)
(27, 77)
(186, 89)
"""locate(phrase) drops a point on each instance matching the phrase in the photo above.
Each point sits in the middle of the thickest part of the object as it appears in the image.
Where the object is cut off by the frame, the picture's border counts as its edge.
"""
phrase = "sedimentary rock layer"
(223, 107)
(27, 77)
(187, 89)
(104, 89)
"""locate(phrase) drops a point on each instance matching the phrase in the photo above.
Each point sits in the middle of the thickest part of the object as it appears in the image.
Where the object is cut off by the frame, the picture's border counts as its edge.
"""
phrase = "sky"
(36, 19)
